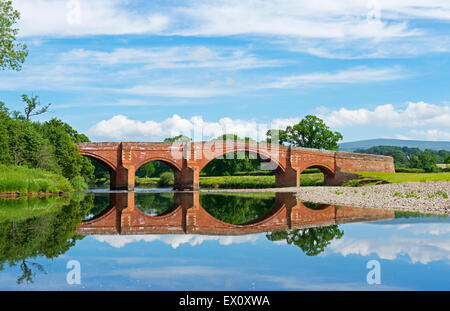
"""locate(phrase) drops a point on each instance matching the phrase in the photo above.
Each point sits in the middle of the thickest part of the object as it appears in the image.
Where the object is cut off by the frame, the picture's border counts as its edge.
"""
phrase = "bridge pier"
(188, 158)
(187, 179)
(290, 177)
(122, 178)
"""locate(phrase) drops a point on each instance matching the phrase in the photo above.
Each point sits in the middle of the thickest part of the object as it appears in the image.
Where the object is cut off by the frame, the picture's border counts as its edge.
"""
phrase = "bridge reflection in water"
(187, 216)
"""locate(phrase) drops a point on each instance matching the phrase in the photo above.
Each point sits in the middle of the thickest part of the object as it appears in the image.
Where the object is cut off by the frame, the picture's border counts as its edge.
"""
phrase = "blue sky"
(411, 257)
(146, 70)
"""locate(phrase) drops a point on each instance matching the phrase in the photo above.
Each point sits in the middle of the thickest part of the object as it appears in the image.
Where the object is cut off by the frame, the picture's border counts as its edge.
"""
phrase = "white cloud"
(415, 114)
(423, 250)
(99, 17)
(121, 128)
(420, 114)
(431, 134)
(352, 75)
(355, 28)
(174, 241)
(177, 57)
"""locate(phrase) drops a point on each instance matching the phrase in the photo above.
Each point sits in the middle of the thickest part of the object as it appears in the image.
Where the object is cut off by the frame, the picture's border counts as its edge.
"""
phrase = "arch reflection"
(187, 216)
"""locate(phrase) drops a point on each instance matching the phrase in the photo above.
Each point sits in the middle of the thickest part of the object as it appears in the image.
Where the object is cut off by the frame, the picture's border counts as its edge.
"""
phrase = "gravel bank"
(426, 197)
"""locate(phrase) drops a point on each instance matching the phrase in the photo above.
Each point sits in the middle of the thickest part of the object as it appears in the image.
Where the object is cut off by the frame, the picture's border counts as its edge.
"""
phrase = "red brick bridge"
(188, 159)
(187, 216)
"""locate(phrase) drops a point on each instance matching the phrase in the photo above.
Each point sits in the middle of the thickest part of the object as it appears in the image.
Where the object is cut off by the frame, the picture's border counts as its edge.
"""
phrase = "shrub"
(409, 170)
(78, 183)
(166, 179)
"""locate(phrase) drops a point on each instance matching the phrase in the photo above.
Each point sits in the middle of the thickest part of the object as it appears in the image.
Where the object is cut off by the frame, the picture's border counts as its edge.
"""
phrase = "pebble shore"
(425, 197)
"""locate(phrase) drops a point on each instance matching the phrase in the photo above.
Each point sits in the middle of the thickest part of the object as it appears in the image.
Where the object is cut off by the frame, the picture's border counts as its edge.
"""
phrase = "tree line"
(50, 145)
(414, 158)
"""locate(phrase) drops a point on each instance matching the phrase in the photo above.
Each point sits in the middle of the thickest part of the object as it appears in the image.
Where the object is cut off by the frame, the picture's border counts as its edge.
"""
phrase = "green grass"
(240, 182)
(20, 209)
(19, 179)
(406, 177)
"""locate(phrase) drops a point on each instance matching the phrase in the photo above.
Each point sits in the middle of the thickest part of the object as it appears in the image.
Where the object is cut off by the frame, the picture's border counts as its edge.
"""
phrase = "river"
(155, 239)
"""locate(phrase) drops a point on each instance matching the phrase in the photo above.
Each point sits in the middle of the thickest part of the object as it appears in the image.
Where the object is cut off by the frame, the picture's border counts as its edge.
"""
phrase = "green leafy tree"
(427, 162)
(311, 241)
(278, 135)
(234, 209)
(44, 234)
(12, 53)
(177, 139)
(310, 132)
(5, 154)
(424, 161)
(32, 104)
(232, 163)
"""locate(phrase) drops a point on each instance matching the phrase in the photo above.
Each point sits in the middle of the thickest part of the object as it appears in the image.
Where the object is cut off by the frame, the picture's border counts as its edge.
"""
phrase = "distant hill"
(421, 144)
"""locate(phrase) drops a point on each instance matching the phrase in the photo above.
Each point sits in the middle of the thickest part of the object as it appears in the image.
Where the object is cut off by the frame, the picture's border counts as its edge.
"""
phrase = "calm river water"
(161, 240)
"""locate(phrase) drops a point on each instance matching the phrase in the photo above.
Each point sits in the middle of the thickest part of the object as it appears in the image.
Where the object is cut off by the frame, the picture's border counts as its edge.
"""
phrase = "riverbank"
(311, 179)
(239, 182)
(425, 197)
(19, 180)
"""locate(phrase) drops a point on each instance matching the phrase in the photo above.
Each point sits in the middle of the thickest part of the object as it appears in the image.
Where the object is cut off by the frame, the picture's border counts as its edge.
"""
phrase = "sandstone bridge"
(188, 159)
(188, 216)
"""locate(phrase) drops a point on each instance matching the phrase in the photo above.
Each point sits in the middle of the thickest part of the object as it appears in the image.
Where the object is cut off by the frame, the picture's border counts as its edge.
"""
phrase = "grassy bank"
(406, 177)
(23, 180)
(239, 182)
(312, 179)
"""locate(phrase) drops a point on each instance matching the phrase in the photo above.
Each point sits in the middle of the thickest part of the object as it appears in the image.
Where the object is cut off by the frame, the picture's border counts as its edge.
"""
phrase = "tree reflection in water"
(39, 227)
(155, 204)
(235, 208)
(47, 227)
(312, 241)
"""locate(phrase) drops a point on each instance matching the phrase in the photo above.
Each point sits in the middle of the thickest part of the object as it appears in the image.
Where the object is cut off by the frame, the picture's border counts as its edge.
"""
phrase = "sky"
(135, 70)
(411, 256)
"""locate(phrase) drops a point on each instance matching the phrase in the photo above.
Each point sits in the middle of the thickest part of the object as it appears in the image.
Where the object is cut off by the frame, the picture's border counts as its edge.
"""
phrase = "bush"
(166, 179)
(409, 170)
(78, 183)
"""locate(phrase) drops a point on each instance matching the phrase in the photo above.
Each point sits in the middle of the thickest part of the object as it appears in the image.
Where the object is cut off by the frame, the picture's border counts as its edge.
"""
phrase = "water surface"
(151, 240)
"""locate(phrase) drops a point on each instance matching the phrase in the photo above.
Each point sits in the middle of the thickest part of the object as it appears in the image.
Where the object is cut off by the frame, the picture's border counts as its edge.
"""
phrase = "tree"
(31, 106)
(312, 241)
(310, 132)
(424, 161)
(233, 162)
(178, 139)
(279, 135)
(12, 54)
(5, 154)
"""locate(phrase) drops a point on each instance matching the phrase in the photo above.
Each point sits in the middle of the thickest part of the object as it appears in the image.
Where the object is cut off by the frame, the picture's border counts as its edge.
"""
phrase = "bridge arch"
(263, 155)
(110, 165)
(328, 172)
(176, 167)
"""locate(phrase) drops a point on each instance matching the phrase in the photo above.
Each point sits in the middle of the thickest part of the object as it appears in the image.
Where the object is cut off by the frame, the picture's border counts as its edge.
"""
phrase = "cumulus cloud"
(432, 134)
(119, 241)
(121, 128)
(422, 250)
(418, 114)
(415, 114)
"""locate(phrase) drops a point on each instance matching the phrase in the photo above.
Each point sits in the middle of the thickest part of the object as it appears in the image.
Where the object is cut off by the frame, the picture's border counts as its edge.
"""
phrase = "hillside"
(421, 144)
